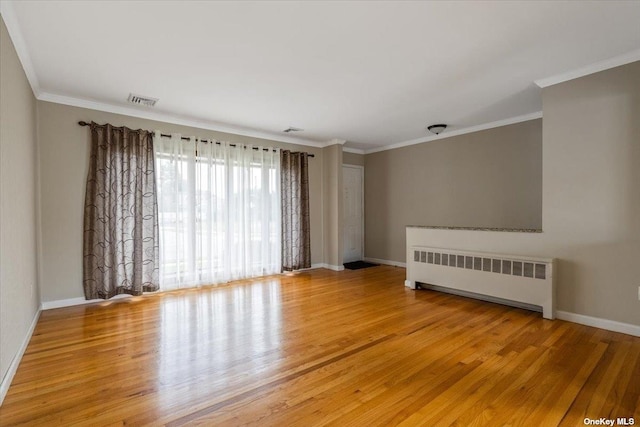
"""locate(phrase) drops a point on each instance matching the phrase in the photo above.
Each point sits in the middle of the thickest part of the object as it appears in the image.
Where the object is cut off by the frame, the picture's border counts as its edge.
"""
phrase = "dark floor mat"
(357, 265)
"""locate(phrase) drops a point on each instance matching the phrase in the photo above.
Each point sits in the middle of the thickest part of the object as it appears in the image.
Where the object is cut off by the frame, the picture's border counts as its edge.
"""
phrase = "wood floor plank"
(318, 348)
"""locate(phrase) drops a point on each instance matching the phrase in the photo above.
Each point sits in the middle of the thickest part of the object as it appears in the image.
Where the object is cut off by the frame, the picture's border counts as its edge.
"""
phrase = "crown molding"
(13, 27)
(353, 150)
(334, 141)
(616, 61)
(462, 131)
(171, 118)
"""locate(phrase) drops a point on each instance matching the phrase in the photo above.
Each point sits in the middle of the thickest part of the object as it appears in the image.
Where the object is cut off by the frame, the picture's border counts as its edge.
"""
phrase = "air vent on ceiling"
(292, 129)
(142, 100)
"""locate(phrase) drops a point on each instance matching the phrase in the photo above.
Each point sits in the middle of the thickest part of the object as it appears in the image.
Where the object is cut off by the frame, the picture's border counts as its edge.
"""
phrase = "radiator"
(502, 278)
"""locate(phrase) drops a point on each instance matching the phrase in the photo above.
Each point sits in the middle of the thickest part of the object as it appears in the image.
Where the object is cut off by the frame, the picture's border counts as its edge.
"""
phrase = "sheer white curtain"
(219, 211)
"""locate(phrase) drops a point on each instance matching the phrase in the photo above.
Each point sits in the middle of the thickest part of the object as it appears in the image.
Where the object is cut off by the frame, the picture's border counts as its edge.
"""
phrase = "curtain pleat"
(296, 234)
(120, 241)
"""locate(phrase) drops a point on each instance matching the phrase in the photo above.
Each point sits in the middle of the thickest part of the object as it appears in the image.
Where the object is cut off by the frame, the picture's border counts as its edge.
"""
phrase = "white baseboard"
(13, 367)
(48, 305)
(386, 262)
(313, 267)
(324, 265)
(609, 325)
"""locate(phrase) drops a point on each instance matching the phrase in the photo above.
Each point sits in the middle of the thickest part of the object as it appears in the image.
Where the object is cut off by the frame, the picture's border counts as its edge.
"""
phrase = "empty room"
(310, 213)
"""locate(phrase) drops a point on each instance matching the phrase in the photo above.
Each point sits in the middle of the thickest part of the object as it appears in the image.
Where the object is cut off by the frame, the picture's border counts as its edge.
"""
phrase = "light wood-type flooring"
(351, 348)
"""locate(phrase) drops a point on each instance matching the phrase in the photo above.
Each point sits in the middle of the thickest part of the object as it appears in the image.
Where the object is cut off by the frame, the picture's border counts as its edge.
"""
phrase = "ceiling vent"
(292, 129)
(142, 100)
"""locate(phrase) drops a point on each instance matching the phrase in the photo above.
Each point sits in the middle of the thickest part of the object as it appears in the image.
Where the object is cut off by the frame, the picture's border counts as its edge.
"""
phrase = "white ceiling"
(371, 73)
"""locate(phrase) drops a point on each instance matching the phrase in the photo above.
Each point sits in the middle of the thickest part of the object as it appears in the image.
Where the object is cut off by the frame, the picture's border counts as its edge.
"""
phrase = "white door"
(353, 221)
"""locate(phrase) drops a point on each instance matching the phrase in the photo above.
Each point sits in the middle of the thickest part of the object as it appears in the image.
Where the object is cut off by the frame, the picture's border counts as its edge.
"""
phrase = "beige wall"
(332, 205)
(591, 197)
(352, 159)
(64, 148)
(591, 190)
(491, 178)
(19, 297)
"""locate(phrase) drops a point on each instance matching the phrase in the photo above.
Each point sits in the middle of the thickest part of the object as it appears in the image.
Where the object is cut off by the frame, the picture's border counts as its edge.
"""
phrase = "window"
(219, 212)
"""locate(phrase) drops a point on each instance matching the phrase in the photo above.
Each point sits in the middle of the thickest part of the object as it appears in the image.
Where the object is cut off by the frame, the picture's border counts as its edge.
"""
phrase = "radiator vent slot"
(142, 100)
(511, 267)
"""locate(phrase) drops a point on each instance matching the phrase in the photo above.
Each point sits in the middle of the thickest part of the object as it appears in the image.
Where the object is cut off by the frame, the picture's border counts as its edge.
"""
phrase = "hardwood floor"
(352, 348)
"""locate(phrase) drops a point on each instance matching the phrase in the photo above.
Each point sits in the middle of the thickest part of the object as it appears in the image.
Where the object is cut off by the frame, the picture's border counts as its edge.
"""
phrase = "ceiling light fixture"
(437, 128)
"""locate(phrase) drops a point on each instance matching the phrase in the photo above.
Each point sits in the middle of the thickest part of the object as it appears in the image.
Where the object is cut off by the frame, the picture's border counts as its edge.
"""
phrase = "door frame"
(361, 169)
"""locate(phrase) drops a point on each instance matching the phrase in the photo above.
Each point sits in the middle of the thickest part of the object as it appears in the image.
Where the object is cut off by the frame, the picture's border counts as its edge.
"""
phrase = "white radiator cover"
(527, 280)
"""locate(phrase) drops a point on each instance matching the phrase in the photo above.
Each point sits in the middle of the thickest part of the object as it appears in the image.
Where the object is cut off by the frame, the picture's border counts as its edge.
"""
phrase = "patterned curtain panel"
(296, 234)
(120, 214)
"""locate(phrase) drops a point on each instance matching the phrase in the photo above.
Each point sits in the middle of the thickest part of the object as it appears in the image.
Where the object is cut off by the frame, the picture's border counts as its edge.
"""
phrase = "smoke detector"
(292, 129)
(142, 100)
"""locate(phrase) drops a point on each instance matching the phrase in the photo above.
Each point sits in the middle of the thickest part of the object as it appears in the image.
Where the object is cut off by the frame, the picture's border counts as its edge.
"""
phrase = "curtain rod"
(185, 138)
